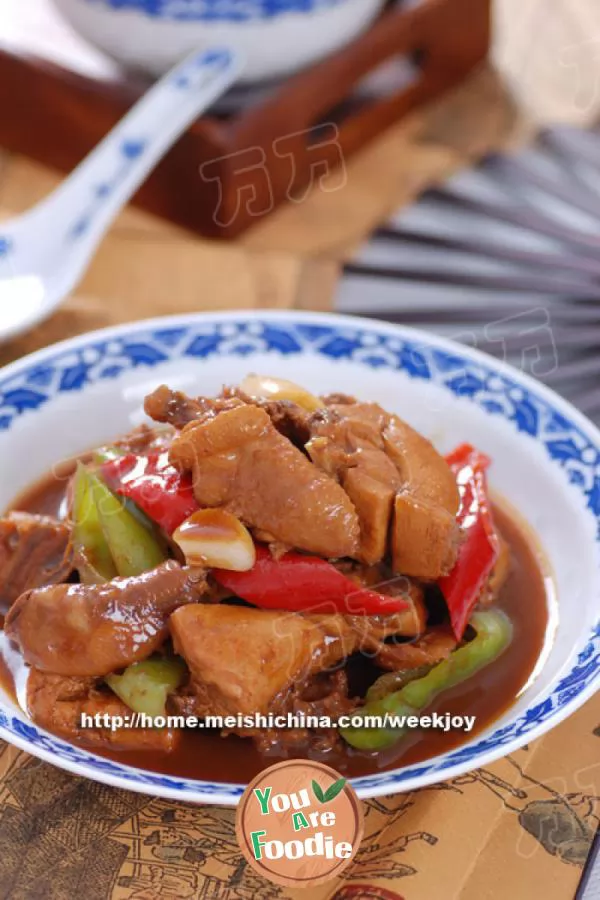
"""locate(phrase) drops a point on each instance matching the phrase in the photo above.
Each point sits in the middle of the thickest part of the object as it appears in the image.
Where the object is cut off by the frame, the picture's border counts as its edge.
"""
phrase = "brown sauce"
(525, 597)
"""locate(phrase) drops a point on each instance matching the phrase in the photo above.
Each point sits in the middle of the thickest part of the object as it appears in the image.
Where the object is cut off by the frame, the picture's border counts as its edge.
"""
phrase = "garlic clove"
(216, 539)
(264, 387)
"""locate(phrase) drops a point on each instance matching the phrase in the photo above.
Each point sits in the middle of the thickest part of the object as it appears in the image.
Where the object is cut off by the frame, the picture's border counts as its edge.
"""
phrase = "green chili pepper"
(133, 546)
(494, 633)
(392, 682)
(94, 560)
(145, 686)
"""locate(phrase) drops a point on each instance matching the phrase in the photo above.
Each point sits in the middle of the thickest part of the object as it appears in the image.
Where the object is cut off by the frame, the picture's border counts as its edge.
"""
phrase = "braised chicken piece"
(395, 477)
(96, 629)
(241, 463)
(290, 419)
(237, 521)
(178, 410)
(286, 647)
(397, 489)
(145, 439)
(373, 501)
(372, 631)
(34, 551)
(172, 407)
(430, 649)
(367, 634)
(337, 399)
(57, 703)
(425, 534)
(347, 443)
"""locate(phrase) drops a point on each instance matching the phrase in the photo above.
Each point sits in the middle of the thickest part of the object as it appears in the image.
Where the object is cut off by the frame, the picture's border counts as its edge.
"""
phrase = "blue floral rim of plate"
(101, 358)
(218, 10)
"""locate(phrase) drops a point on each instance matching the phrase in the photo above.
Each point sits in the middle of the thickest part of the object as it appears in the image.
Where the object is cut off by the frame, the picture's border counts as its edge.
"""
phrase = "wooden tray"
(235, 167)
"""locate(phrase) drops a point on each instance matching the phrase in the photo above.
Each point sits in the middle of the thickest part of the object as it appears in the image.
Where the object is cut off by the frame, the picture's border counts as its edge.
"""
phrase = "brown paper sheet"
(518, 828)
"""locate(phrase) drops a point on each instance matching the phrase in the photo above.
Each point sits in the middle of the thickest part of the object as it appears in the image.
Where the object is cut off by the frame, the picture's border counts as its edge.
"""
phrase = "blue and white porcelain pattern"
(127, 153)
(191, 76)
(456, 392)
(217, 10)
(274, 37)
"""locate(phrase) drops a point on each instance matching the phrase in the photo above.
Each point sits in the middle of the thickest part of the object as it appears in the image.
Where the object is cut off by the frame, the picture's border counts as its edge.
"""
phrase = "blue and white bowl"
(546, 463)
(275, 37)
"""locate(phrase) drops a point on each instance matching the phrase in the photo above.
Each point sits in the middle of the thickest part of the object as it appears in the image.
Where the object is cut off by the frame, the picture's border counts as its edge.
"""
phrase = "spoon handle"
(87, 201)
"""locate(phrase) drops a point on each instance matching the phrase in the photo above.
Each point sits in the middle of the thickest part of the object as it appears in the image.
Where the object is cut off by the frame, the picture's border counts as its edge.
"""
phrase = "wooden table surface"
(546, 67)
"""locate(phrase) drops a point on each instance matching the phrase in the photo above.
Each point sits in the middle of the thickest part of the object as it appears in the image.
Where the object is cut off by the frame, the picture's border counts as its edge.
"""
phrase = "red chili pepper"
(163, 493)
(301, 583)
(480, 548)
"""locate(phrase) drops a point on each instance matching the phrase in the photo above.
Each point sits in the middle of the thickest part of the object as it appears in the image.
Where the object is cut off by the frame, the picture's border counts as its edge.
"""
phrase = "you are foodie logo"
(299, 823)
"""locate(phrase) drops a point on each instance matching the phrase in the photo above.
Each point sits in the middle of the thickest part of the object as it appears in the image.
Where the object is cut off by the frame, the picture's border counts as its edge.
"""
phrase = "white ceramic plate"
(546, 462)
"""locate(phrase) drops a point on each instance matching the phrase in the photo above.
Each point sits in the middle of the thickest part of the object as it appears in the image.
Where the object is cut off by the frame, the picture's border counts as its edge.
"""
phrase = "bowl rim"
(226, 793)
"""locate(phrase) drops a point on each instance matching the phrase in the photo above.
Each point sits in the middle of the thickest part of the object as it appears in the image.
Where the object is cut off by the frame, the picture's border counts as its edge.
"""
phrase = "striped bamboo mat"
(504, 257)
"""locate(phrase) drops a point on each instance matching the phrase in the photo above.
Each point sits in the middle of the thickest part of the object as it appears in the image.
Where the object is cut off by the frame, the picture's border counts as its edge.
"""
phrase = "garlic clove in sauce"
(264, 387)
(216, 539)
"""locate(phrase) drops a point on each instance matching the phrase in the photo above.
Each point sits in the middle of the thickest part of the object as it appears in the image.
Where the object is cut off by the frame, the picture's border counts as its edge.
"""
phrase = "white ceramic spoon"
(45, 251)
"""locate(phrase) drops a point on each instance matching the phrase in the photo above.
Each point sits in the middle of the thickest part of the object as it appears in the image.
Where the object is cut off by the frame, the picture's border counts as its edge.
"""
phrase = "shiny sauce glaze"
(526, 597)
